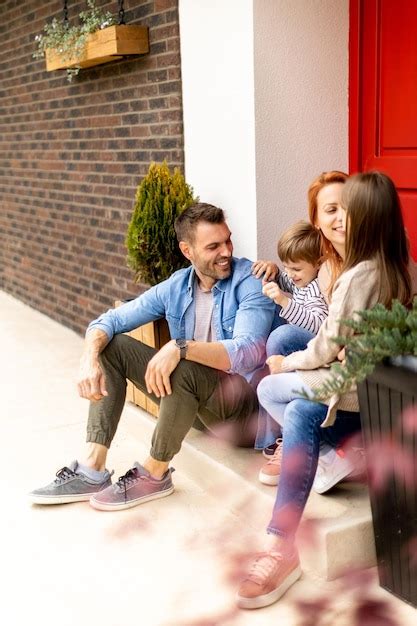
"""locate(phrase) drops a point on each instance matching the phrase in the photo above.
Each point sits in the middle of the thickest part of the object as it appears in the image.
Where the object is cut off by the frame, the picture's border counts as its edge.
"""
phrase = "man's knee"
(116, 346)
(264, 390)
(122, 350)
(194, 378)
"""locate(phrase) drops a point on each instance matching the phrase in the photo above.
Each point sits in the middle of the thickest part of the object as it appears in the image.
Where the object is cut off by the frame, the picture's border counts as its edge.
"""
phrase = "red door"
(383, 96)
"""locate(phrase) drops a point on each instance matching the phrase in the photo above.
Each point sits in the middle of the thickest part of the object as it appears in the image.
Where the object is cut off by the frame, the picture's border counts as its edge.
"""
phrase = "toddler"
(299, 251)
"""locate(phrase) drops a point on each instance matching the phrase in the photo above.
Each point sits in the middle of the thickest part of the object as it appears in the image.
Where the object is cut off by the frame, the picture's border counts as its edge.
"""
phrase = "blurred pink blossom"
(409, 419)
(386, 457)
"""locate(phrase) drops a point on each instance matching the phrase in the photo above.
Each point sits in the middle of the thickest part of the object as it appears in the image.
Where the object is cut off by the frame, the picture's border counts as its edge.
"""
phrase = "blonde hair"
(300, 242)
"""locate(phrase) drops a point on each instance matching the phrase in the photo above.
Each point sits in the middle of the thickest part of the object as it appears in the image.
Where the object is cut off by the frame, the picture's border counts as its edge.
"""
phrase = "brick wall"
(71, 156)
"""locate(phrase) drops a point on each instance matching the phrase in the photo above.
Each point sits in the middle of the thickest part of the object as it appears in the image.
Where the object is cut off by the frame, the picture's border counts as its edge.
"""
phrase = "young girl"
(375, 269)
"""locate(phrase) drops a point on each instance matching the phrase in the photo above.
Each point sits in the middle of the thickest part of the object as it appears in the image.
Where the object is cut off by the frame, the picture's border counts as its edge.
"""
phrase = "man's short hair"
(301, 242)
(187, 221)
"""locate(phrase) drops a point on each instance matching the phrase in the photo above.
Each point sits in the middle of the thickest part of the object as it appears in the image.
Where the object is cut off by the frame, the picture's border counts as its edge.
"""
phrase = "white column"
(219, 110)
(301, 96)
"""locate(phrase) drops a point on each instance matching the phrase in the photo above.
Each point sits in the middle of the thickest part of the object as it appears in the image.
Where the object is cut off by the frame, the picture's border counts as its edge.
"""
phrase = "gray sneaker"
(135, 487)
(69, 485)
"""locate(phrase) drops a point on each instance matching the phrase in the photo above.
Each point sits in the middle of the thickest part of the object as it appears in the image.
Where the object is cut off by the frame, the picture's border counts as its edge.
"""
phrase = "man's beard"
(214, 271)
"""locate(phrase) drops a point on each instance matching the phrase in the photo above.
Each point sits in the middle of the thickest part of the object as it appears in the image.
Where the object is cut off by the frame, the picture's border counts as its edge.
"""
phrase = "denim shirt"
(243, 317)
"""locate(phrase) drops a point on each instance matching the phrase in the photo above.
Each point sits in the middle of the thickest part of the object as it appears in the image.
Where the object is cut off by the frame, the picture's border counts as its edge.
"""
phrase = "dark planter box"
(383, 397)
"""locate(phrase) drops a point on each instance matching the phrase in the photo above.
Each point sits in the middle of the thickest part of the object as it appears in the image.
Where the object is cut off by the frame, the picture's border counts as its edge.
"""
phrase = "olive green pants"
(225, 403)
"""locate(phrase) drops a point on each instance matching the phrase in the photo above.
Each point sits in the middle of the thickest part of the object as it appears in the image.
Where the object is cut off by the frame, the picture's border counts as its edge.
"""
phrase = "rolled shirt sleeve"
(253, 323)
(145, 308)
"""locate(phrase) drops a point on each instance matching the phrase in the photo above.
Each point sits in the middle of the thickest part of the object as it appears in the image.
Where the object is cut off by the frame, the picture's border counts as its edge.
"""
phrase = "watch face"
(181, 343)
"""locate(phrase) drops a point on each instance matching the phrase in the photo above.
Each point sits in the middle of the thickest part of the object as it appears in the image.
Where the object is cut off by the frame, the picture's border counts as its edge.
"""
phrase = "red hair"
(328, 252)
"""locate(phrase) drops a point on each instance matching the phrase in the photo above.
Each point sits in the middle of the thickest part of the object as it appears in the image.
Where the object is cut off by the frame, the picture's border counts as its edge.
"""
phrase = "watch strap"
(182, 346)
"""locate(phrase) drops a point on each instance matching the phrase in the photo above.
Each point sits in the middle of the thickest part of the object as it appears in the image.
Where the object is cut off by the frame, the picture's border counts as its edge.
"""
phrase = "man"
(219, 322)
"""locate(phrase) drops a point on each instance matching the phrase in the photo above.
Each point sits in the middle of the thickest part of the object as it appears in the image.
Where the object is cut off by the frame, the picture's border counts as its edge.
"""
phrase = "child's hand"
(268, 269)
(271, 290)
(342, 356)
(274, 363)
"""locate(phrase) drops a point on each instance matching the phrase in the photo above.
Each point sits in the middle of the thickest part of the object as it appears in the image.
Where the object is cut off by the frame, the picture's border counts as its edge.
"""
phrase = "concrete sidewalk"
(172, 562)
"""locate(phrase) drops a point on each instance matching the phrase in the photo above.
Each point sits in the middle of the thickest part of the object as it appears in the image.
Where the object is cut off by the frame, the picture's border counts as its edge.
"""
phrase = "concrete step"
(336, 534)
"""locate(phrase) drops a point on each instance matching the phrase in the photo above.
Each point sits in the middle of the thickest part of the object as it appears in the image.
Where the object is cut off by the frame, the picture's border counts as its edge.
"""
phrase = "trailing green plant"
(378, 333)
(69, 41)
(153, 251)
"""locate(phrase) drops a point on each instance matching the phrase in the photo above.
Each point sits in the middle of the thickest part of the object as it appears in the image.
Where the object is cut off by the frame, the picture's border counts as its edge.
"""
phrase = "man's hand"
(267, 269)
(160, 368)
(91, 381)
(271, 290)
(274, 363)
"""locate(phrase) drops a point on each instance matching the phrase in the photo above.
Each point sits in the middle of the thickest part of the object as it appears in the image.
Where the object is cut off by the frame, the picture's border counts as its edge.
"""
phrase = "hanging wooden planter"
(103, 46)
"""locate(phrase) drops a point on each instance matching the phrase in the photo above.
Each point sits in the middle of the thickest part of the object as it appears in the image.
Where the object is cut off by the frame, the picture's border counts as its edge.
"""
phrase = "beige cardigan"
(356, 289)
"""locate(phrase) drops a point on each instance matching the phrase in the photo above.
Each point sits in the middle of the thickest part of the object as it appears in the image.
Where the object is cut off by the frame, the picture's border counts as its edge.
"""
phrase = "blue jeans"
(287, 339)
(283, 340)
(277, 390)
(302, 435)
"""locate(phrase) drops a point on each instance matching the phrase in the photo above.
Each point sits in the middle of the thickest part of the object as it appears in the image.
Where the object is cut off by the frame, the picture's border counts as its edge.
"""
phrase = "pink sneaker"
(269, 473)
(270, 575)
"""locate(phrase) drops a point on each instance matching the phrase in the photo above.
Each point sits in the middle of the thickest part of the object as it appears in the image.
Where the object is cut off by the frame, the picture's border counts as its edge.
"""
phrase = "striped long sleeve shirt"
(307, 307)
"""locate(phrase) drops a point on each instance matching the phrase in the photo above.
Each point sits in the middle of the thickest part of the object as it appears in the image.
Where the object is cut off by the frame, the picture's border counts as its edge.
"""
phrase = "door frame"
(355, 130)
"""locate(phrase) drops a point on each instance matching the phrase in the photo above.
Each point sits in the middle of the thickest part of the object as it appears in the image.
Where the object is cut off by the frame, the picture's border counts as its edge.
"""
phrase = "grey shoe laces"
(127, 479)
(63, 475)
(131, 477)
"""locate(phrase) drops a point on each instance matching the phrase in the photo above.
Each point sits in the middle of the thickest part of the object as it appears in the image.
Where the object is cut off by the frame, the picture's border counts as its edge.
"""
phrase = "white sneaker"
(335, 465)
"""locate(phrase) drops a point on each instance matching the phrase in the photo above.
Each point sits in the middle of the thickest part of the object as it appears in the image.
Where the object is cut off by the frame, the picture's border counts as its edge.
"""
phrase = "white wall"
(265, 108)
(219, 110)
(301, 96)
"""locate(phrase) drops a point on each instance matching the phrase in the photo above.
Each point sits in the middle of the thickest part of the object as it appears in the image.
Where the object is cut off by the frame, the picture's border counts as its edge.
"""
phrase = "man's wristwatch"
(182, 346)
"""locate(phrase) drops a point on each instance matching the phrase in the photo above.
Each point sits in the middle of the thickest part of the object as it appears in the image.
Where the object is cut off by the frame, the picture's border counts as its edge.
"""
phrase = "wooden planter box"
(383, 397)
(103, 46)
(155, 334)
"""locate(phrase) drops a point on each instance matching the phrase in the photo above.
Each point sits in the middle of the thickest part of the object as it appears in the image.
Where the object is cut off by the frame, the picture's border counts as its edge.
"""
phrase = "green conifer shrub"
(153, 251)
(378, 333)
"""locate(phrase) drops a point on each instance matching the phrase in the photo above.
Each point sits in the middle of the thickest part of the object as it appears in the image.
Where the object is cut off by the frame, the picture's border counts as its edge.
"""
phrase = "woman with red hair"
(325, 213)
